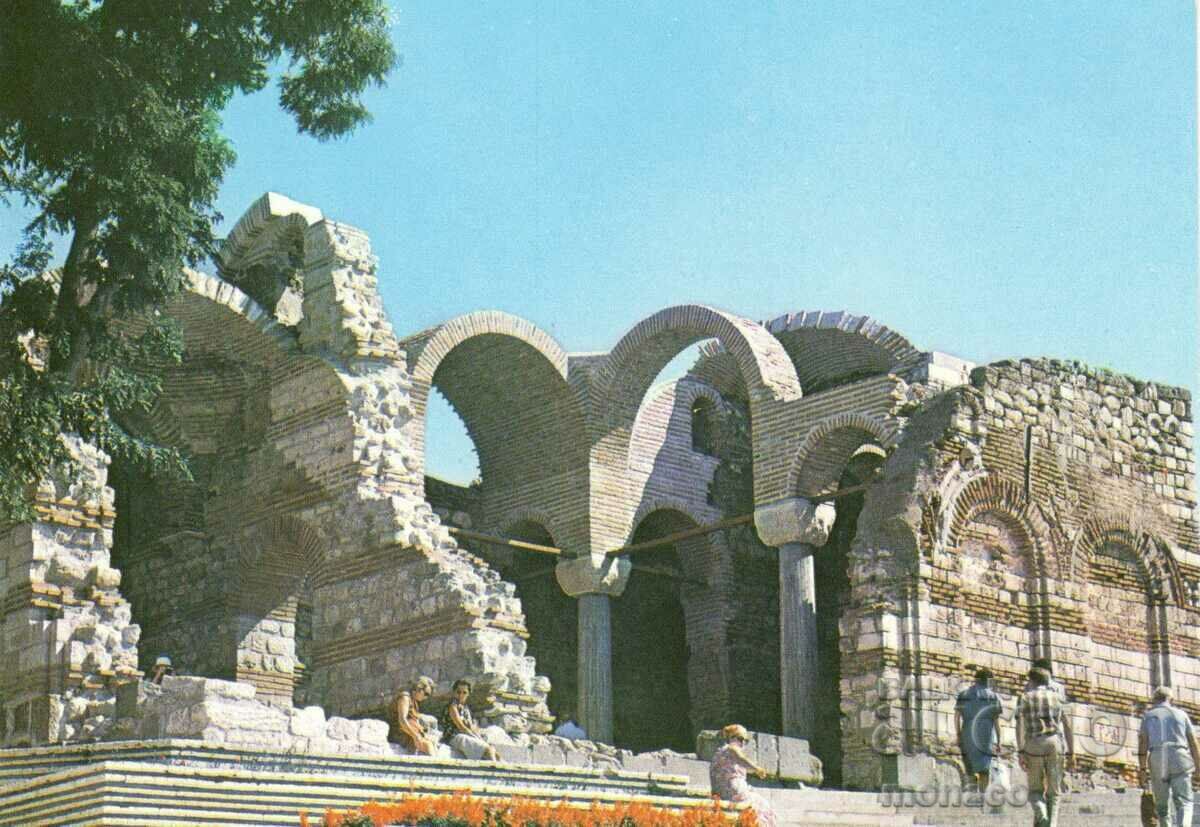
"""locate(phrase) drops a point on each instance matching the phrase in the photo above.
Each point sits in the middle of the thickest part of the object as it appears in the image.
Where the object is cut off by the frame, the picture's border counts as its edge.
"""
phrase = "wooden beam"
(504, 541)
(673, 574)
(681, 535)
(845, 492)
(727, 523)
(648, 544)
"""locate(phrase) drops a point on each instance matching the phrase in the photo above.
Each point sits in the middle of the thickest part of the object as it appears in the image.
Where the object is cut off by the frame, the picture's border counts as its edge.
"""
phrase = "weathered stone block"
(796, 763)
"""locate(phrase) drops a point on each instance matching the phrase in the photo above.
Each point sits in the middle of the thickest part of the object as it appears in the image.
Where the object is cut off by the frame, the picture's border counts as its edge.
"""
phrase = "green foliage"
(110, 131)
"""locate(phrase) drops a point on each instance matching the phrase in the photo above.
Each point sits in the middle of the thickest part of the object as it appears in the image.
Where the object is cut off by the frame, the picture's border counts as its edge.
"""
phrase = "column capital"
(593, 574)
(794, 520)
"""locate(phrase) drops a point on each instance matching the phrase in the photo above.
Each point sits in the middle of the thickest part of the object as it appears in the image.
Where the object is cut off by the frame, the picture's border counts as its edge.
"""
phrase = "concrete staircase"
(190, 782)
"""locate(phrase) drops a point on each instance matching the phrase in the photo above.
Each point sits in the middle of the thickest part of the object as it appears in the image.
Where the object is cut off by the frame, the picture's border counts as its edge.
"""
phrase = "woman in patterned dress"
(727, 773)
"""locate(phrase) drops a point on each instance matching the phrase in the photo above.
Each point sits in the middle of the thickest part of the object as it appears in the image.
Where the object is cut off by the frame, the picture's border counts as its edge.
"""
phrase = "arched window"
(702, 426)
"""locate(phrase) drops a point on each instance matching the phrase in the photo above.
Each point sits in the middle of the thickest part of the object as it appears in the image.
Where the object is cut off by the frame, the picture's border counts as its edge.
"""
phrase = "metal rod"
(503, 541)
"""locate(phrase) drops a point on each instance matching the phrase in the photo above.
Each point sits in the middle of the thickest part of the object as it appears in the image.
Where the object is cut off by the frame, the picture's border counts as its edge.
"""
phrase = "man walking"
(977, 724)
(1169, 758)
(1043, 732)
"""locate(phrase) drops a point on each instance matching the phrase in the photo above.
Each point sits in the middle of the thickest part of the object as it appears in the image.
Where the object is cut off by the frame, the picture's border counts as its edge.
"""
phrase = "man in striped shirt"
(1045, 744)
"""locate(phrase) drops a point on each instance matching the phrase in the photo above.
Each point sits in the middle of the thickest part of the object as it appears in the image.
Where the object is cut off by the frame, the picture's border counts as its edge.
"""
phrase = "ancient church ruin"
(820, 531)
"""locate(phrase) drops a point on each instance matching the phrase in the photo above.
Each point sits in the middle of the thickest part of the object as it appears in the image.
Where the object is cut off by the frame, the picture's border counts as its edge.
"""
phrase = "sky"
(994, 180)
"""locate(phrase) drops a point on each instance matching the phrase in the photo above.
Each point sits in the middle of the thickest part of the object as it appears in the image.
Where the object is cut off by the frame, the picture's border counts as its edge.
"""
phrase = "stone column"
(594, 581)
(797, 638)
(797, 528)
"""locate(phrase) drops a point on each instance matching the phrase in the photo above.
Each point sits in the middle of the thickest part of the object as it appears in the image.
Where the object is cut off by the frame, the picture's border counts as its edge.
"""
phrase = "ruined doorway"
(832, 574)
(651, 698)
(551, 617)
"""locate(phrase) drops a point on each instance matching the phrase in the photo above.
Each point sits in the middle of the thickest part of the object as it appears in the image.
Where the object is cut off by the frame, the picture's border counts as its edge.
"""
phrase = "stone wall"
(67, 640)
(310, 557)
(1047, 510)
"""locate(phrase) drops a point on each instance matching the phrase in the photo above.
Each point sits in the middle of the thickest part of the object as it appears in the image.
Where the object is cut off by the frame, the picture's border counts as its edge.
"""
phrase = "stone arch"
(829, 445)
(833, 348)
(689, 395)
(177, 542)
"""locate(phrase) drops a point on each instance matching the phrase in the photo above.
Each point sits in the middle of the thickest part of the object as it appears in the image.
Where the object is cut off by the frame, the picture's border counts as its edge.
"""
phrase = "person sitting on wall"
(568, 727)
(162, 667)
(727, 774)
(976, 721)
(459, 729)
(408, 729)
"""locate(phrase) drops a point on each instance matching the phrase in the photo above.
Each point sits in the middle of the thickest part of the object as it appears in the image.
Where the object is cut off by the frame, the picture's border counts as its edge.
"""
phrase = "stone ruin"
(888, 521)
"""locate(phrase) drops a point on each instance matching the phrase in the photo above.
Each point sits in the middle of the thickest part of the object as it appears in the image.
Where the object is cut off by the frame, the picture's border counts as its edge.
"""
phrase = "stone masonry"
(893, 519)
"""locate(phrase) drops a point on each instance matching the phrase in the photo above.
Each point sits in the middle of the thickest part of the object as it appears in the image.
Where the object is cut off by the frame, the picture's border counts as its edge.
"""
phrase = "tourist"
(1045, 744)
(727, 773)
(1056, 685)
(459, 729)
(407, 727)
(568, 727)
(1169, 758)
(977, 724)
(162, 667)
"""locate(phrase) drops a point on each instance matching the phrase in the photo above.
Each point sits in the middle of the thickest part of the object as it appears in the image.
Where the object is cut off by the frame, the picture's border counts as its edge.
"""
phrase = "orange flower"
(527, 812)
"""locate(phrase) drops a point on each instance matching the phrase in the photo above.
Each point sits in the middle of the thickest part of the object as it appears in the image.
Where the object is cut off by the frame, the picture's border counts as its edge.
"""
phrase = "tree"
(110, 133)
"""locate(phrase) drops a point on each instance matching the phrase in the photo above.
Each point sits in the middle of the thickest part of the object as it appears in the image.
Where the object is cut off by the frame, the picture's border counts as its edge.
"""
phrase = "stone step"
(1108, 809)
(833, 807)
(126, 792)
(181, 782)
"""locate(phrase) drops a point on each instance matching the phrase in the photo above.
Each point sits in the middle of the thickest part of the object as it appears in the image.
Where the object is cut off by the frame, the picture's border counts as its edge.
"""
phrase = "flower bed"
(465, 810)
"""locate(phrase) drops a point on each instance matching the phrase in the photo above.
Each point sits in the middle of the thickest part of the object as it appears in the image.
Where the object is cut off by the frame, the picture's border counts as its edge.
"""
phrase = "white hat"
(163, 660)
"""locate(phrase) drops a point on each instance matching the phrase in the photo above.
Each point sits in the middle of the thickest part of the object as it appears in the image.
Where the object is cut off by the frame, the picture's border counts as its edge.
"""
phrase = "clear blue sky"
(991, 179)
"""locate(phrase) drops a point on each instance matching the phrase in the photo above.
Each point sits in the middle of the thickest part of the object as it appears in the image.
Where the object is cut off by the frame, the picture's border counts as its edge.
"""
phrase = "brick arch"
(535, 516)
(1006, 499)
(651, 505)
(1155, 562)
(426, 351)
(225, 328)
(830, 348)
(278, 557)
(507, 380)
(646, 349)
(287, 547)
(830, 444)
(687, 390)
(626, 373)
